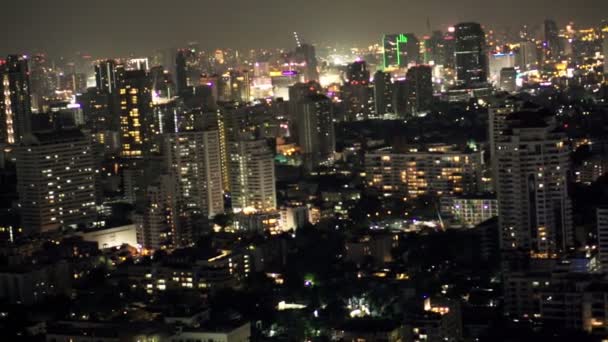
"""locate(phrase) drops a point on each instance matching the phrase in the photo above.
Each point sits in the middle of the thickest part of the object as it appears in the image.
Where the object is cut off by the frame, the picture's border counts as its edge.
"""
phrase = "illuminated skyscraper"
(135, 110)
(55, 180)
(400, 50)
(532, 166)
(316, 137)
(192, 159)
(470, 54)
(15, 106)
(383, 93)
(252, 177)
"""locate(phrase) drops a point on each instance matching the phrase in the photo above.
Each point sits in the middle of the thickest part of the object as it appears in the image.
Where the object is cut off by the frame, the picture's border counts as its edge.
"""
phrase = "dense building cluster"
(451, 186)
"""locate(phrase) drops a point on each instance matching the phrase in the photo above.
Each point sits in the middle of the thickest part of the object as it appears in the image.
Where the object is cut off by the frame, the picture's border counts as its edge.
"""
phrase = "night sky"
(121, 27)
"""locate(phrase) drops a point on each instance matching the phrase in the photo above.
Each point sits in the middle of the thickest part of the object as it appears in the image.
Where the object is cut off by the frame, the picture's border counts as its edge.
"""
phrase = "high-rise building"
(135, 110)
(357, 92)
(508, 78)
(252, 177)
(602, 237)
(419, 89)
(470, 54)
(187, 69)
(306, 54)
(532, 167)
(552, 43)
(400, 50)
(192, 159)
(15, 106)
(315, 126)
(498, 110)
(157, 226)
(55, 178)
(383, 93)
(527, 58)
(107, 76)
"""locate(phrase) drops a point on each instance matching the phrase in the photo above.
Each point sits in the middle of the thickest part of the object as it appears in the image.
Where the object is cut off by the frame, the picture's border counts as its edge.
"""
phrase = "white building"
(252, 176)
(532, 167)
(55, 180)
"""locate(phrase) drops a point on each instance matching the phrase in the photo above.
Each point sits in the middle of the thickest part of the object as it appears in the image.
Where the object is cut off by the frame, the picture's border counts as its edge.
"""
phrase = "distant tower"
(357, 92)
(307, 54)
(470, 54)
(419, 92)
(383, 93)
(552, 44)
(316, 137)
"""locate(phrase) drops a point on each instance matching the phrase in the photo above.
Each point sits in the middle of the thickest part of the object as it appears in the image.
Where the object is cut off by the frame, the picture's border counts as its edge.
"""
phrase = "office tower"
(527, 58)
(107, 76)
(602, 237)
(419, 89)
(306, 54)
(192, 159)
(400, 50)
(552, 43)
(315, 126)
(470, 54)
(252, 178)
(508, 78)
(135, 112)
(357, 92)
(532, 167)
(15, 107)
(55, 180)
(383, 93)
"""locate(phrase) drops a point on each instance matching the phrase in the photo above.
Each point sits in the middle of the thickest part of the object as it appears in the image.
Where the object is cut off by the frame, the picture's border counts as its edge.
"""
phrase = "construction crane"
(298, 42)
